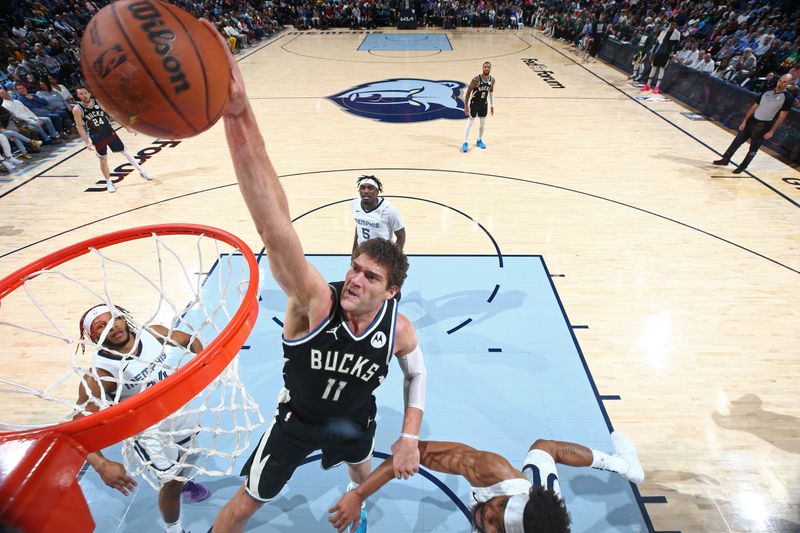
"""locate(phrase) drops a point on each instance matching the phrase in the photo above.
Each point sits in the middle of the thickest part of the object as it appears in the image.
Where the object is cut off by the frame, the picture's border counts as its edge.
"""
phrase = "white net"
(157, 302)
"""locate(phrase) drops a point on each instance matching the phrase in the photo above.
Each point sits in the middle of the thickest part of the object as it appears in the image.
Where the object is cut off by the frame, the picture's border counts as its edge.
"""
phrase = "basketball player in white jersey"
(95, 129)
(374, 215)
(125, 367)
(478, 100)
(504, 499)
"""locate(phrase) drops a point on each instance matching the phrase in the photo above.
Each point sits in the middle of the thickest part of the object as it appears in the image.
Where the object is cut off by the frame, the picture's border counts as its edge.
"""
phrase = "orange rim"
(120, 421)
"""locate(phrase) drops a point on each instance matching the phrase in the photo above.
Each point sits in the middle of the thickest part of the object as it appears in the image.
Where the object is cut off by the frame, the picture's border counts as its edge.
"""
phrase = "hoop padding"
(39, 490)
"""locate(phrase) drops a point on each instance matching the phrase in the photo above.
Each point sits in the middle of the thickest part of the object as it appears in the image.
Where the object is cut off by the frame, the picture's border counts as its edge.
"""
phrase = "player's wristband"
(409, 436)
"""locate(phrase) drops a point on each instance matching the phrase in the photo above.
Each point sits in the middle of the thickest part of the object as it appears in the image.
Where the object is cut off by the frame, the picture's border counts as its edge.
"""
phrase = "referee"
(760, 123)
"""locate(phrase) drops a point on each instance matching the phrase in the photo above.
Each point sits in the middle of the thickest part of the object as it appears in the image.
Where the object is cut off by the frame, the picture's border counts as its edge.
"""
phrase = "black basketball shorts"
(111, 141)
(288, 441)
(478, 109)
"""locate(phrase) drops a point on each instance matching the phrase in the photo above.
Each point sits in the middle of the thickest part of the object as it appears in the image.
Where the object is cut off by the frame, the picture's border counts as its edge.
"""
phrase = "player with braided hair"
(374, 215)
(128, 361)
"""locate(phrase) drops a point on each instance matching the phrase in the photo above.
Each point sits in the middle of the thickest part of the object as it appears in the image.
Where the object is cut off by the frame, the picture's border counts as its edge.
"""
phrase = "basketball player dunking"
(92, 119)
(338, 339)
(479, 97)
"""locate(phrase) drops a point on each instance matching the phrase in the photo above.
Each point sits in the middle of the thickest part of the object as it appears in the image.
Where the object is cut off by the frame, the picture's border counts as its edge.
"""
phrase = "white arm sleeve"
(416, 376)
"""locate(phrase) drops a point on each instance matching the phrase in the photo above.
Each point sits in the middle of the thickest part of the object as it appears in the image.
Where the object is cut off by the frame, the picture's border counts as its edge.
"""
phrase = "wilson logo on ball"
(162, 39)
(108, 60)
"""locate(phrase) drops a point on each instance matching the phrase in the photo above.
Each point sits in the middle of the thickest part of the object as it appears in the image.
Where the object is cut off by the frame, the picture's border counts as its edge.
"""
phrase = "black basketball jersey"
(95, 120)
(481, 92)
(331, 373)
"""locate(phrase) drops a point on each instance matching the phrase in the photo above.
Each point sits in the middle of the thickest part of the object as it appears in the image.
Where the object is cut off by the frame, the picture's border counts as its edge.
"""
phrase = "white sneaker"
(16, 161)
(624, 448)
(110, 187)
(146, 176)
(9, 165)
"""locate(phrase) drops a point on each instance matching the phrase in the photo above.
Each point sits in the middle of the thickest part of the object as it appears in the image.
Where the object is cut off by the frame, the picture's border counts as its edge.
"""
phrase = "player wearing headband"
(374, 215)
(504, 499)
(126, 363)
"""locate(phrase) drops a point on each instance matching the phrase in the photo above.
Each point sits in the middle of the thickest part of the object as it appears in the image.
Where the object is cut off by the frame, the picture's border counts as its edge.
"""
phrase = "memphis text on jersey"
(147, 372)
(368, 223)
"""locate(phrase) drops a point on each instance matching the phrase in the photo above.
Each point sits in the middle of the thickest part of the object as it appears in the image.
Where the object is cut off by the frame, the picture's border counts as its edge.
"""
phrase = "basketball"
(155, 68)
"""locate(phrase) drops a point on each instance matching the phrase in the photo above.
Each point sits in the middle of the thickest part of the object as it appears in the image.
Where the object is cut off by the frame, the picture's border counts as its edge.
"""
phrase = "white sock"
(470, 121)
(482, 128)
(611, 463)
(175, 527)
(132, 160)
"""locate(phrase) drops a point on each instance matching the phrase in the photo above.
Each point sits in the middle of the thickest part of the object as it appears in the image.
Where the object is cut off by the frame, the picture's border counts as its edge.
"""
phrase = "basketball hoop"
(38, 465)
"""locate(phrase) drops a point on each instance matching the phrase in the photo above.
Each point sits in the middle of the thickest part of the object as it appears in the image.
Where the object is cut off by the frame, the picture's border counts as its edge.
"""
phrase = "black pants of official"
(753, 130)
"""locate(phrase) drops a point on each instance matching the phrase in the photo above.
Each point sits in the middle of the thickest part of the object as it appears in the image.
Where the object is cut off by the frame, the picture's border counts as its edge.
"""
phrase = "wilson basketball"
(155, 68)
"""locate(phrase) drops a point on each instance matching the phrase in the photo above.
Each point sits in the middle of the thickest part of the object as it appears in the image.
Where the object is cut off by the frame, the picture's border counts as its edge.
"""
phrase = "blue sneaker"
(465, 147)
(480, 144)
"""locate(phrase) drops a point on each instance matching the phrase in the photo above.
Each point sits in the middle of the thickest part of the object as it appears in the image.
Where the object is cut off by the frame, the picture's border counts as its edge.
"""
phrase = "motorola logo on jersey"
(378, 340)
(404, 100)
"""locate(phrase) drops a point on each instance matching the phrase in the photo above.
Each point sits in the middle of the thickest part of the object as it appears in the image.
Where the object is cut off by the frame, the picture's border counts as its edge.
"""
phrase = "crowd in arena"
(40, 51)
(750, 44)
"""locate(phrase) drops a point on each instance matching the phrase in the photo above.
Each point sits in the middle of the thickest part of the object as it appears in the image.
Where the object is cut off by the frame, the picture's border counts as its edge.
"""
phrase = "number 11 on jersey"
(329, 388)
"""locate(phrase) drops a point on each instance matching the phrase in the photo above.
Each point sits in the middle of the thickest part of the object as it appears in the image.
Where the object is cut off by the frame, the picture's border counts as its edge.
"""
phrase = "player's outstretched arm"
(179, 337)
(265, 197)
(480, 468)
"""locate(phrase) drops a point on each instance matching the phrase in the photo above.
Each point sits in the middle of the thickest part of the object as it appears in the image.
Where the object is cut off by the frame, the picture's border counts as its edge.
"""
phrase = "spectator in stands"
(705, 65)
(239, 38)
(722, 68)
(743, 66)
(784, 51)
(693, 56)
(62, 24)
(63, 91)
(6, 157)
(681, 56)
(764, 83)
(55, 102)
(764, 46)
(25, 115)
(23, 144)
(60, 118)
(643, 43)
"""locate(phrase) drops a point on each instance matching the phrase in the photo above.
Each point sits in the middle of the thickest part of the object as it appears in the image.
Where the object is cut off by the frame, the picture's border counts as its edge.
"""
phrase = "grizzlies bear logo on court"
(404, 100)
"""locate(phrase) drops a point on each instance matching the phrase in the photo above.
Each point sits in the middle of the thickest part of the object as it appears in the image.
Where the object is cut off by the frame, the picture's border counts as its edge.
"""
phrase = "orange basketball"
(155, 68)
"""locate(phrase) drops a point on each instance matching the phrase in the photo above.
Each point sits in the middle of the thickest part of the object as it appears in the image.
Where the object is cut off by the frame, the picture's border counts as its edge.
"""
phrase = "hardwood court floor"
(686, 275)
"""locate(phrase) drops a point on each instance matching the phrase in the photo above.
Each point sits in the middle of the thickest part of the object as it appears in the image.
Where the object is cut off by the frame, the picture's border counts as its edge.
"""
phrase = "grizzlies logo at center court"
(404, 100)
